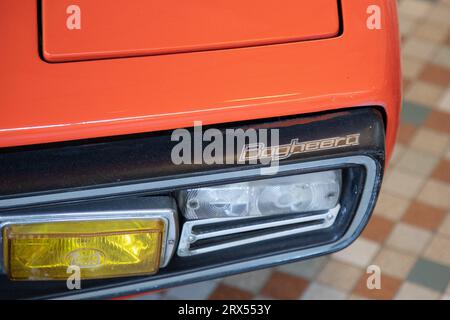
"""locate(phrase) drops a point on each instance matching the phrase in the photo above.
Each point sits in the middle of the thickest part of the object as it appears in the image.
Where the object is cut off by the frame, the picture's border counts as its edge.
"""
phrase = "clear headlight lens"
(281, 195)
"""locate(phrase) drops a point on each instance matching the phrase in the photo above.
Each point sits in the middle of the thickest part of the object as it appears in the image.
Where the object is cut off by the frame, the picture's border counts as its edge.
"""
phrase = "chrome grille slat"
(189, 236)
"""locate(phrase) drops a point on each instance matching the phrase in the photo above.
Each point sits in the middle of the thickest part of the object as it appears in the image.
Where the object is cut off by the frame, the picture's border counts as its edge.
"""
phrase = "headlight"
(282, 195)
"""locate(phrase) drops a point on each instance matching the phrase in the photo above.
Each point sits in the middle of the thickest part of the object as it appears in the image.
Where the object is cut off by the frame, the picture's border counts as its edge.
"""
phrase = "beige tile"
(412, 67)
(445, 226)
(414, 8)
(405, 184)
(354, 296)
(408, 238)
(419, 48)
(399, 151)
(424, 93)
(417, 162)
(439, 13)
(412, 291)
(407, 24)
(430, 141)
(431, 31)
(320, 292)
(360, 253)
(395, 263)
(340, 275)
(390, 206)
(444, 102)
(439, 250)
(436, 193)
(447, 154)
(250, 281)
(443, 56)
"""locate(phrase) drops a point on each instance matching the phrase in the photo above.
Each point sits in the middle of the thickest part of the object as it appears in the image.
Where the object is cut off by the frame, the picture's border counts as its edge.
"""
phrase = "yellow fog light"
(102, 249)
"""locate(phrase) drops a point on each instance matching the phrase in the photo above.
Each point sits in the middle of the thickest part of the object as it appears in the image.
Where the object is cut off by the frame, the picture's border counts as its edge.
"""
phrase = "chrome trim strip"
(367, 199)
(158, 185)
(169, 216)
(189, 237)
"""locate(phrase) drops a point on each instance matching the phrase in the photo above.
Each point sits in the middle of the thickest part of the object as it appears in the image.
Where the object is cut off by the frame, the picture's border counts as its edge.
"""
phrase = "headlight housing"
(271, 196)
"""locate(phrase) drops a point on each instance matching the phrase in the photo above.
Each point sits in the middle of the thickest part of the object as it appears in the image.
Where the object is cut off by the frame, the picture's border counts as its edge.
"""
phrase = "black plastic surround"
(89, 165)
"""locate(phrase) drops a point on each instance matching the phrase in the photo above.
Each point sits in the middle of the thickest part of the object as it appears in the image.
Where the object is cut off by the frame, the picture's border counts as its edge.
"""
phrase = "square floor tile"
(307, 269)
(411, 291)
(431, 141)
(435, 193)
(414, 8)
(439, 121)
(419, 48)
(284, 286)
(340, 275)
(414, 113)
(417, 162)
(403, 183)
(390, 206)
(357, 297)
(378, 229)
(360, 253)
(439, 13)
(405, 133)
(431, 31)
(408, 238)
(442, 171)
(224, 292)
(435, 74)
(439, 250)
(412, 67)
(430, 274)
(445, 226)
(250, 281)
(395, 263)
(389, 287)
(425, 93)
(399, 151)
(424, 216)
(321, 292)
(444, 102)
(442, 56)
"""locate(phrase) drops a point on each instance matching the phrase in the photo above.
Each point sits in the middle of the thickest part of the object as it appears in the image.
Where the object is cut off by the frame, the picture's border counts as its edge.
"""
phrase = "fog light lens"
(43, 251)
(289, 194)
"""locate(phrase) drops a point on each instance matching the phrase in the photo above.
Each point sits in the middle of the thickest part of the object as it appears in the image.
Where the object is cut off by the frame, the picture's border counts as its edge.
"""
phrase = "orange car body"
(82, 69)
(170, 85)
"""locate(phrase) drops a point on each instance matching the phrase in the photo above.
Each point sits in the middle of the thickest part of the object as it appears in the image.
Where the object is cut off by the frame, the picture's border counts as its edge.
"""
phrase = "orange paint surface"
(44, 102)
(121, 28)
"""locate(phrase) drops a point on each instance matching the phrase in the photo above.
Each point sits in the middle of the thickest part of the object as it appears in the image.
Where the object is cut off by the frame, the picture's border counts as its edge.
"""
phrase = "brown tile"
(442, 171)
(284, 286)
(405, 133)
(424, 216)
(389, 287)
(439, 121)
(448, 39)
(224, 292)
(378, 229)
(435, 74)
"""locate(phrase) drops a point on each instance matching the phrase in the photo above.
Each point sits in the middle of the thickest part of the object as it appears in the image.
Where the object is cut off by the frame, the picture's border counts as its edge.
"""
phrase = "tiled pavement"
(409, 235)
